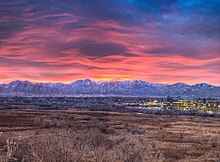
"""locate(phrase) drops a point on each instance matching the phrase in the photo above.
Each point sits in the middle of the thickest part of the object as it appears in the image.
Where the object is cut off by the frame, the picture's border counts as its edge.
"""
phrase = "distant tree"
(170, 99)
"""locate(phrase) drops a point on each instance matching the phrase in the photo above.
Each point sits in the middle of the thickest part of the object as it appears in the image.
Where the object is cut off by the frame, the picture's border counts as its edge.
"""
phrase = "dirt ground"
(83, 135)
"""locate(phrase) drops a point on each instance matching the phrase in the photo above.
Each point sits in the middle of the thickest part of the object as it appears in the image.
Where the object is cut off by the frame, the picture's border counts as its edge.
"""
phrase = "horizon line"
(97, 80)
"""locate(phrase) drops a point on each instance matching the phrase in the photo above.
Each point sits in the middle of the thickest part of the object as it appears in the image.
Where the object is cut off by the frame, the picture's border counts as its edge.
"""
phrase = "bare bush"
(48, 123)
(82, 146)
(8, 152)
(136, 149)
(215, 140)
(135, 130)
(48, 148)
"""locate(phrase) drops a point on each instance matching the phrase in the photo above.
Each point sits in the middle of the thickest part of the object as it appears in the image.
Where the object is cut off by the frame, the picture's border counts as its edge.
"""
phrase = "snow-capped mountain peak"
(127, 87)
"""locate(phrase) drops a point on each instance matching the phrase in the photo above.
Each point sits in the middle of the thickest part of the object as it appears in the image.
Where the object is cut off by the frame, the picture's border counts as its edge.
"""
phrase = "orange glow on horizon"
(64, 46)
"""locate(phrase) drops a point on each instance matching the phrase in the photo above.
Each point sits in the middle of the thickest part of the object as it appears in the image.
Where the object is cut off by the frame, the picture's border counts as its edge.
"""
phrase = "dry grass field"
(99, 136)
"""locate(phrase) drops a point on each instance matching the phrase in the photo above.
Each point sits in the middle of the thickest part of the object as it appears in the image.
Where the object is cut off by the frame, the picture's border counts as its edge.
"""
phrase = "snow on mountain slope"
(87, 86)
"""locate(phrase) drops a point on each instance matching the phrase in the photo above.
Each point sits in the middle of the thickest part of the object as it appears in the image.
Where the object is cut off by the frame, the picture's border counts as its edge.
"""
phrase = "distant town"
(204, 105)
(167, 105)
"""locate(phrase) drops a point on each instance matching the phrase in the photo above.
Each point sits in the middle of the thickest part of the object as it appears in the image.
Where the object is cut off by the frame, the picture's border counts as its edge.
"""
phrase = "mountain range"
(123, 88)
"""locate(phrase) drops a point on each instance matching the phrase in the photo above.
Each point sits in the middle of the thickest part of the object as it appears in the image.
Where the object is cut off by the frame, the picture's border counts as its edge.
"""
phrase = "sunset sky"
(161, 41)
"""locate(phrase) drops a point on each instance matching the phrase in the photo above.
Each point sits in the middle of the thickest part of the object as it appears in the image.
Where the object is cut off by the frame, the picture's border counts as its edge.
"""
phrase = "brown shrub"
(82, 146)
(214, 140)
(136, 149)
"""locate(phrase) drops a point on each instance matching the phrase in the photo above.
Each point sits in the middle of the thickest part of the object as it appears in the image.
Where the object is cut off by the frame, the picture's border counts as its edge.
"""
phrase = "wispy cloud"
(103, 39)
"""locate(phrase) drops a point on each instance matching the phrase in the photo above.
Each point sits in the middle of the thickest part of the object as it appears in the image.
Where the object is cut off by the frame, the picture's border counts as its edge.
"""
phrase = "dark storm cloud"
(96, 50)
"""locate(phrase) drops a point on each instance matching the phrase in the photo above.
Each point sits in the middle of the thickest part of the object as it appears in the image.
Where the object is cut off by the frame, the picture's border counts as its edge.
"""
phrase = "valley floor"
(101, 136)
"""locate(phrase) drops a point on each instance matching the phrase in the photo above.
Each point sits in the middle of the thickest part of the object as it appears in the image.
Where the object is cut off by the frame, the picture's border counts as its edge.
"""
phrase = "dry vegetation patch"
(94, 136)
